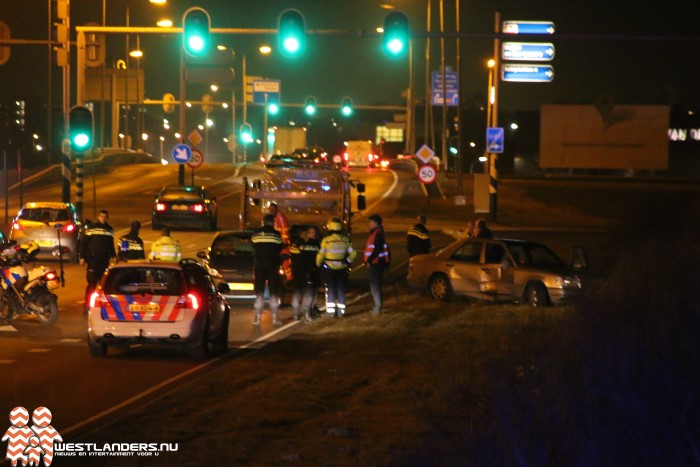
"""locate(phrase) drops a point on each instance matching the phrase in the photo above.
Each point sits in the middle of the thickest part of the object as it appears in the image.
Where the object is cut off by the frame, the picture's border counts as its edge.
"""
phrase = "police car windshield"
(151, 280)
(44, 214)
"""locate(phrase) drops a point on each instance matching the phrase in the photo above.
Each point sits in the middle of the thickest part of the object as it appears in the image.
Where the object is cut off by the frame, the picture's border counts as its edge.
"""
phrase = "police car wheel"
(200, 349)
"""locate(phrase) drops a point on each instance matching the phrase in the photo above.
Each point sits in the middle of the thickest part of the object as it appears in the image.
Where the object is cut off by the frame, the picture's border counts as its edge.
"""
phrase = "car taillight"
(346, 156)
(160, 206)
(370, 156)
(97, 298)
(68, 227)
(198, 208)
(17, 226)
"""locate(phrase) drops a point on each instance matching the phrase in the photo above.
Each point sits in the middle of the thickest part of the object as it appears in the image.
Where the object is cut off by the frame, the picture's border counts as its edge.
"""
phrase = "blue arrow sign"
(445, 90)
(528, 51)
(494, 140)
(182, 153)
(525, 73)
(528, 27)
(267, 91)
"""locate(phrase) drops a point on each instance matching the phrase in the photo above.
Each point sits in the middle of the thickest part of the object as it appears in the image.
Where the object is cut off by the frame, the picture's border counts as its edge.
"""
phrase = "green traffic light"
(195, 31)
(291, 33)
(346, 107)
(396, 33)
(310, 106)
(80, 124)
(273, 108)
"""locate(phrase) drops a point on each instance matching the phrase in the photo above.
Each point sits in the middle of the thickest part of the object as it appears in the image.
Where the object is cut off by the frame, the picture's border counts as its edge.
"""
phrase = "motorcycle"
(26, 292)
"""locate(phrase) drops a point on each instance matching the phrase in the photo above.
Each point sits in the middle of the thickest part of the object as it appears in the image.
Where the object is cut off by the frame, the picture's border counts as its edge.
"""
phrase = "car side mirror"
(202, 255)
(223, 288)
(578, 258)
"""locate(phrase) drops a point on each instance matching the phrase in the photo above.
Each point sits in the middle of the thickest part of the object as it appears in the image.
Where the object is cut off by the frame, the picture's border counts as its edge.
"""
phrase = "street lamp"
(490, 105)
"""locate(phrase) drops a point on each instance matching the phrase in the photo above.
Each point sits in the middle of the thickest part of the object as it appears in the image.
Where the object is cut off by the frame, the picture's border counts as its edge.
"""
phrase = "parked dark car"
(185, 207)
(499, 270)
(230, 259)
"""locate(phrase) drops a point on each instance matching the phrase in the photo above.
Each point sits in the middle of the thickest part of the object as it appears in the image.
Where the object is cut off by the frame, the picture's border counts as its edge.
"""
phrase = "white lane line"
(386, 193)
(8, 328)
(71, 340)
(7, 362)
(39, 350)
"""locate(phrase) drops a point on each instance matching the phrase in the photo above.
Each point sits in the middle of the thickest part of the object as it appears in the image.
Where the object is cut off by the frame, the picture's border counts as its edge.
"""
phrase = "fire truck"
(306, 191)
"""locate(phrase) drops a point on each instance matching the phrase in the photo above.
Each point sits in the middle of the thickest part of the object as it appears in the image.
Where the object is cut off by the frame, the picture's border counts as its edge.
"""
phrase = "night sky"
(636, 54)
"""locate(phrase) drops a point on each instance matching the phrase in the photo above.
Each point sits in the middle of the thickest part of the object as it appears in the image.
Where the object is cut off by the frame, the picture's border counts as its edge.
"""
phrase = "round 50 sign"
(427, 174)
(196, 160)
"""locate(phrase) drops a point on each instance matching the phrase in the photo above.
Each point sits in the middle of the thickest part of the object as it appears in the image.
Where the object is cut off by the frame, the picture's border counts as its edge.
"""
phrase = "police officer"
(166, 248)
(377, 258)
(131, 245)
(418, 238)
(334, 259)
(267, 244)
(98, 248)
(304, 250)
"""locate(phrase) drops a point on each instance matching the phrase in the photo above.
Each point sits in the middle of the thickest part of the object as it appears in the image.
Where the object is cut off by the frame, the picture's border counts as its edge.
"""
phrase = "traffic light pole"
(183, 114)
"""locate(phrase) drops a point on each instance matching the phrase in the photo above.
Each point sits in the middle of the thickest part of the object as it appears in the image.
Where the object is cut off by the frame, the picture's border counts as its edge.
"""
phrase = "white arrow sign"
(182, 153)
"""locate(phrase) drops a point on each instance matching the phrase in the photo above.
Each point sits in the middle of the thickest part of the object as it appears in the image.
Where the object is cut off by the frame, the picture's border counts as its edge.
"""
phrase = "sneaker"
(256, 320)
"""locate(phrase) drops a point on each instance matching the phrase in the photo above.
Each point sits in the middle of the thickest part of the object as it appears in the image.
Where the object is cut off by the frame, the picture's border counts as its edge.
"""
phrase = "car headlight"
(213, 272)
(569, 282)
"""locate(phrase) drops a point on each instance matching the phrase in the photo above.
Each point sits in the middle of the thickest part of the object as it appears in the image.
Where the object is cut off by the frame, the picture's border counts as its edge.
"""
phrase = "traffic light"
(195, 31)
(246, 133)
(273, 108)
(291, 33)
(81, 129)
(310, 106)
(396, 34)
(346, 107)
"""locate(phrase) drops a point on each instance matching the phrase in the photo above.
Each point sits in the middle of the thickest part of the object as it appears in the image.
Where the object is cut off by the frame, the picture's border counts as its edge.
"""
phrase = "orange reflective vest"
(282, 226)
(384, 255)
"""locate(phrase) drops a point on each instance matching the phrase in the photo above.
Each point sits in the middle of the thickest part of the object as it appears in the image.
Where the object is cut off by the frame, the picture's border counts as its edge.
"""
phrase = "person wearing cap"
(166, 248)
(131, 245)
(98, 248)
(334, 258)
(377, 258)
(267, 245)
(418, 238)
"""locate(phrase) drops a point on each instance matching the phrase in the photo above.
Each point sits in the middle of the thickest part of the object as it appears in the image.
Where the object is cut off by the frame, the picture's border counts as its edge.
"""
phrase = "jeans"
(335, 290)
(376, 272)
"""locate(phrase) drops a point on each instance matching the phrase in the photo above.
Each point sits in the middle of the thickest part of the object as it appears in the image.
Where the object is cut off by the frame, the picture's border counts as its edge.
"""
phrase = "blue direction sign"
(266, 91)
(528, 51)
(445, 91)
(528, 27)
(494, 140)
(182, 153)
(526, 73)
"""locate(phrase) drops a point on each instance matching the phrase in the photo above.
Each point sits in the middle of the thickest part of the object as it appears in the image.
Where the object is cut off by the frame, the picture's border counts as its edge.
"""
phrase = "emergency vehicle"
(307, 192)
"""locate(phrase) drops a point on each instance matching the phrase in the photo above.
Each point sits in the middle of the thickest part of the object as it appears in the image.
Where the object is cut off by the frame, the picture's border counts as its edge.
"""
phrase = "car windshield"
(181, 195)
(152, 280)
(231, 246)
(533, 254)
(44, 214)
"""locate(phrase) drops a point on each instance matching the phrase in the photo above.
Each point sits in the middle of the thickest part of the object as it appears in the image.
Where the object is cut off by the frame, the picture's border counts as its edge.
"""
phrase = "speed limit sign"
(426, 173)
(196, 160)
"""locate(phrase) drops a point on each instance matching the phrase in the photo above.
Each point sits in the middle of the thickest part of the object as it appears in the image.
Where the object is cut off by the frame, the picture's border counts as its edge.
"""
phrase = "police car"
(160, 303)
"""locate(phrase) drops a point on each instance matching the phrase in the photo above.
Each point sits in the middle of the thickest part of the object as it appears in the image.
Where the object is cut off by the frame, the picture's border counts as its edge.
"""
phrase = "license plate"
(180, 207)
(143, 308)
(45, 242)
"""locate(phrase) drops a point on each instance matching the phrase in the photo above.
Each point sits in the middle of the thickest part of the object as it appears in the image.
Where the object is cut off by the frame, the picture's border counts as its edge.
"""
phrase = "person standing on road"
(282, 226)
(267, 244)
(166, 248)
(98, 248)
(131, 245)
(377, 258)
(334, 258)
(306, 274)
(481, 230)
(418, 238)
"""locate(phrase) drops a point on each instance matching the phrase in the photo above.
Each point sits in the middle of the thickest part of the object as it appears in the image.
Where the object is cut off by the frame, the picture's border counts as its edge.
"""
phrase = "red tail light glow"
(68, 227)
(198, 208)
(160, 206)
(97, 298)
(346, 156)
(50, 276)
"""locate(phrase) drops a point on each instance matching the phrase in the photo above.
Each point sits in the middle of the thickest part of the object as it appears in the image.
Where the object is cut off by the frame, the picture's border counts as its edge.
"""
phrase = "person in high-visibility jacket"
(166, 248)
(334, 258)
(282, 226)
(377, 258)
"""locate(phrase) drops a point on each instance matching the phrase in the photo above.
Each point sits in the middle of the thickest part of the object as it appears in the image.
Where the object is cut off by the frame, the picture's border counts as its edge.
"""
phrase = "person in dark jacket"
(267, 244)
(98, 248)
(306, 274)
(481, 230)
(418, 238)
(131, 245)
(377, 258)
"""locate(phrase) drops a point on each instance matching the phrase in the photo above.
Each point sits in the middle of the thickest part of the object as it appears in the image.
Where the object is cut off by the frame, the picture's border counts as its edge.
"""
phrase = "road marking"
(71, 340)
(39, 350)
(8, 328)
(386, 193)
(7, 362)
